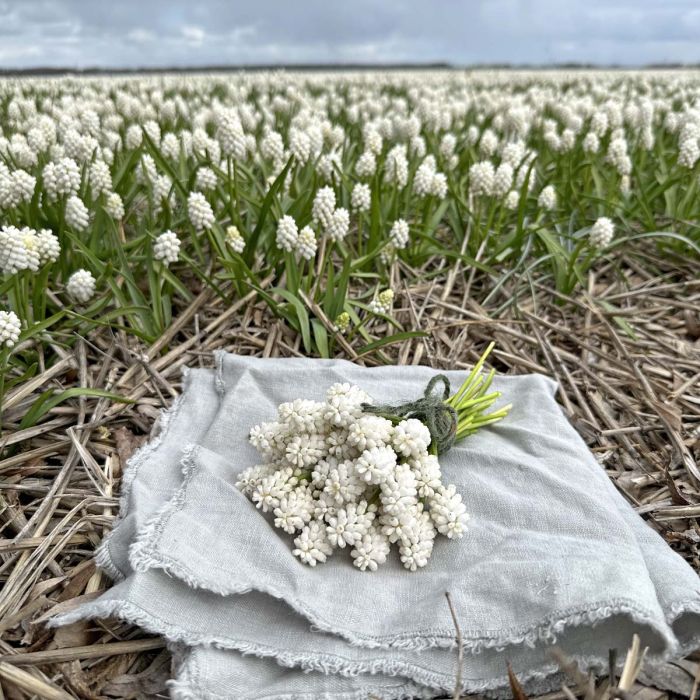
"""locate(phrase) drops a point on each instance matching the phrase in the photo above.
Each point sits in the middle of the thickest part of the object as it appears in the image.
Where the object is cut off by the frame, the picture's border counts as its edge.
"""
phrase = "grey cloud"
(127, 33)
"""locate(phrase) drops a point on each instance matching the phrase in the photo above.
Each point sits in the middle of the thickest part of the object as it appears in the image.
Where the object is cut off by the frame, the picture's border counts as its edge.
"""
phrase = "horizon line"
(321, 66)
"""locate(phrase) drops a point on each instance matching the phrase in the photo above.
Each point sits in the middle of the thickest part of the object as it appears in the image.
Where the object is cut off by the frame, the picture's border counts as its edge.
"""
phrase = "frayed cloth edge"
(103, 556)
(424, 683)
(320, 662)
(143, 555)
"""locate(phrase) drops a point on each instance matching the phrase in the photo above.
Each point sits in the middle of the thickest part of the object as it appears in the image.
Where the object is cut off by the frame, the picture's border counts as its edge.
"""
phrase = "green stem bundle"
(450, 418)
(472, 400)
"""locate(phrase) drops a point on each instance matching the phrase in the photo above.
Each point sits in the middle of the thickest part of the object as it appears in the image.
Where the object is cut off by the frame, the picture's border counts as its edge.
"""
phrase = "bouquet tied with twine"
(348, 473)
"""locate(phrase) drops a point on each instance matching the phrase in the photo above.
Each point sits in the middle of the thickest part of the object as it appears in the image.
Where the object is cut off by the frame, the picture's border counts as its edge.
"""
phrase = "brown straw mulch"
(625, 351)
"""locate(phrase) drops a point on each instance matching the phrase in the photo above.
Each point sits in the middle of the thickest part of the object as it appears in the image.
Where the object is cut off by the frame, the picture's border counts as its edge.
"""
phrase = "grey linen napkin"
(554, 553)
(153, 474)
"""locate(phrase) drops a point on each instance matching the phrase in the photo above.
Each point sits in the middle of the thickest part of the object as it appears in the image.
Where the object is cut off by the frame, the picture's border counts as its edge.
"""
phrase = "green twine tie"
(430, 409)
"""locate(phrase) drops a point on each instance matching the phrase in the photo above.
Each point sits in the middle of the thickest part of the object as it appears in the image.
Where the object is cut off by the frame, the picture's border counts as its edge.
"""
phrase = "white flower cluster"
(77, 215)
(200, 211)
(333, 222)
(15, 187)
(61, 178)
(291, 239)
(10, 328)
(383, 302)
(481, 176)
(361, 197)
(306, 243)
(114, 206)
(26, 249)
(602, 232)
(205, 180)
(547, 198)
(399, 234)
(100, 178)
(396, 167)
(81, 286)
(166, 248)
(689, 144)
(336, 477)
(287, 233)
(428, 181)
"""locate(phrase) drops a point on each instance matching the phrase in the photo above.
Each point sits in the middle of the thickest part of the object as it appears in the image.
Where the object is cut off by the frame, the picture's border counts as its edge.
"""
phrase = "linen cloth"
(554, 553)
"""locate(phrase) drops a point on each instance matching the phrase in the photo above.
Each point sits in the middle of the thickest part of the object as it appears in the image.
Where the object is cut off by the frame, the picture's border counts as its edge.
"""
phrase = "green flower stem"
(467, 428)
(4, 365)
(468, 387)
(481, 399)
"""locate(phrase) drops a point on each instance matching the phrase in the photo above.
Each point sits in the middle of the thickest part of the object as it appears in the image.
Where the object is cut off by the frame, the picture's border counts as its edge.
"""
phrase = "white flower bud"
(234, 239)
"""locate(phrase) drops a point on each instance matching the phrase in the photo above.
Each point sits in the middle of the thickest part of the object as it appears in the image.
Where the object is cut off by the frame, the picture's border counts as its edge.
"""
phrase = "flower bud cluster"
(26, 249)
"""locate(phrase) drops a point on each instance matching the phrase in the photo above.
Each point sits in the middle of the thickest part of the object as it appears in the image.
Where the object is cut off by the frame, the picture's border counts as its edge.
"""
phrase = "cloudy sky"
(151, 33)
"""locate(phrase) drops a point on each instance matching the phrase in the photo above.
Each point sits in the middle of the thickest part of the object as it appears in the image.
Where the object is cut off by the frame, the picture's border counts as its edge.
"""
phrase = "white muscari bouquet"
(346, 473)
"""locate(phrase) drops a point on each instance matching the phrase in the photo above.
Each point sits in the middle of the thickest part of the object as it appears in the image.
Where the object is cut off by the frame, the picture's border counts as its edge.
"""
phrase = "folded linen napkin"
(553, 553)
(153, 472)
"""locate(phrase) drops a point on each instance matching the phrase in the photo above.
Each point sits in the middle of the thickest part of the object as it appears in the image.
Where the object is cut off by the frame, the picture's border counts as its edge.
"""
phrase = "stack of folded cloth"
(553, 555)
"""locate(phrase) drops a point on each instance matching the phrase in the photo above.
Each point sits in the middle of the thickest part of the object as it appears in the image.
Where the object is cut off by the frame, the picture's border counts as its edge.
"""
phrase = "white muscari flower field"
(121, 197)
(406, 217)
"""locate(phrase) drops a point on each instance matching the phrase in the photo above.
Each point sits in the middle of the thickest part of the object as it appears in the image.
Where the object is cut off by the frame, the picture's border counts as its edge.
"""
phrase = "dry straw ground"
(626, 353)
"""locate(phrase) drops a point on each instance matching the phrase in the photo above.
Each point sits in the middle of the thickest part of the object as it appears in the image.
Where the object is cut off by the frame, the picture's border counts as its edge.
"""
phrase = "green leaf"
(37, 328)
(321, 337)
(301, 313)
(619, 320)
(658, 234)
(252, 243)
(126, 167)
(164, 165)
(337, 303)
(49, 400)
